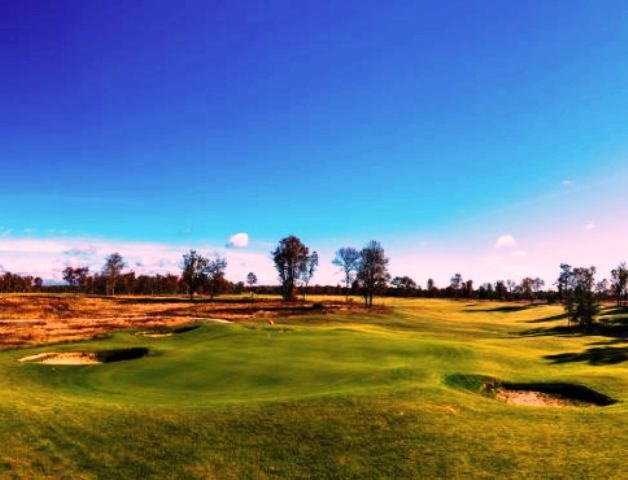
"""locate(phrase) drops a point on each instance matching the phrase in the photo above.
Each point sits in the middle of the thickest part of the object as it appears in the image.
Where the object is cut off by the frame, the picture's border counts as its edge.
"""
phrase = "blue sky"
(436, 127)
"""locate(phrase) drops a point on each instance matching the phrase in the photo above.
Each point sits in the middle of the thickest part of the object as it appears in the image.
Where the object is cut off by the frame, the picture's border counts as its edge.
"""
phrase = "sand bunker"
(536, 399)
(86, 358)
(63, 358)
(154, 335)
(546, 394)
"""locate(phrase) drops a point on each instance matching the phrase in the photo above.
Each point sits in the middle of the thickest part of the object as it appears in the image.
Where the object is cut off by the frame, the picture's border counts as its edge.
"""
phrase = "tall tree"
(619, 282)
(308, 273)
(579, 298)
(193, 271)
(215, 274)
(348, 260)
(290, 257)
(114, 264)
(373, 271)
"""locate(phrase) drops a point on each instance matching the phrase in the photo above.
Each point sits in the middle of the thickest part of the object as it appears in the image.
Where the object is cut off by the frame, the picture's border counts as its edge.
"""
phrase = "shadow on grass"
(509, 308)
(560, 316)
(592, 356)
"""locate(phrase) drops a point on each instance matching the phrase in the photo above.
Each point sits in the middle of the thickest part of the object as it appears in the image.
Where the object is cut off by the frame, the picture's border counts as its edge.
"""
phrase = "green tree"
(291, 261)
(114, 264)
(579, 299)
(193, 272)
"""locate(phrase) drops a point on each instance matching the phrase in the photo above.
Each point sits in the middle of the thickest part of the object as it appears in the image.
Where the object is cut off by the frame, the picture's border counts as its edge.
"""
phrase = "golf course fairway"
(388, 395)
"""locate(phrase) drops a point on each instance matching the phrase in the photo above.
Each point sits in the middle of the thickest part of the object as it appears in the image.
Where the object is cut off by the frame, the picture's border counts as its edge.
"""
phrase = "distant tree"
(404, 284)
(501, 290)
(563, 280)
(308, 273)
(619, 283)
(467, 289)
(601, 288)
(373, 272)
(70, 276)
(512, 285)
(348, 260)
(193, 271)
(39, 282)
(431, 287)
(114, 264)
(291, 261)
(215, 275)
(456, 282)
(251, 280)
(579, 299)
(537, 287)
(527, 289)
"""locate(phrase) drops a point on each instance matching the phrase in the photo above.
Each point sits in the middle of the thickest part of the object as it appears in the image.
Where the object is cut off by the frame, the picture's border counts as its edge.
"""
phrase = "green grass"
(331, 396)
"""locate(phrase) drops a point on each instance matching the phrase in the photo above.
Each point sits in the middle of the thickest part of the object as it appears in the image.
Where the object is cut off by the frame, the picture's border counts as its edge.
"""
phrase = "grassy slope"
(320, 397)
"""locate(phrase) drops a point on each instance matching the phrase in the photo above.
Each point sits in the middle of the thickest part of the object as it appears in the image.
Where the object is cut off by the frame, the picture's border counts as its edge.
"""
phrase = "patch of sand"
(62, 358)
(535, 399)
(154, 335)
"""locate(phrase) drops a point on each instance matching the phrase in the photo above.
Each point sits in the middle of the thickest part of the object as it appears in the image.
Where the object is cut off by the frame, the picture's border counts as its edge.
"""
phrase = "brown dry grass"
(35, 319)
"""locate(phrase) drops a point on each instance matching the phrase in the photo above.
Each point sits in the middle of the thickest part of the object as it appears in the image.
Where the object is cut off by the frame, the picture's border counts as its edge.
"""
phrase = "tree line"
(364, 272)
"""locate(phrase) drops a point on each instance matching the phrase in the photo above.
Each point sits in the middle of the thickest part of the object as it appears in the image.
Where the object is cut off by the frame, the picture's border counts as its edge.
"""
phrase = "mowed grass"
(328, 396)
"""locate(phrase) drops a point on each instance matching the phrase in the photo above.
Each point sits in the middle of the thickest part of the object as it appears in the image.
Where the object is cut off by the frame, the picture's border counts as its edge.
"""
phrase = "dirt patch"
(62, 358)
(154, 335)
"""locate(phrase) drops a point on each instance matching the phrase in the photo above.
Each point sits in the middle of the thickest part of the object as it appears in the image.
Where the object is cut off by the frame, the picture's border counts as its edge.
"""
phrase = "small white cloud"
(567, 182)
(239, 240)
(506, 241)
(520, 253)
(589, 225)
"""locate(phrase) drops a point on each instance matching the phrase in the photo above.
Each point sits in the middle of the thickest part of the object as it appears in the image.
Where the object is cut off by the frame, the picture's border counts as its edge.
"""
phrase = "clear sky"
(435, 127)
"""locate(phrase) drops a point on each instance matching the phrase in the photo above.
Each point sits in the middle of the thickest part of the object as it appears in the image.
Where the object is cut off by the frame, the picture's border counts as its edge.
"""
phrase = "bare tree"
(619, 282)
(348, 260)
(306, 276)
(193, 271)
(114, 264)
(373, 272)
(290, 257)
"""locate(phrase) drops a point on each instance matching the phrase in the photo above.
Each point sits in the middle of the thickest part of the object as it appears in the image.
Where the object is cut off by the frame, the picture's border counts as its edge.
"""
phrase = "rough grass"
(322, 396)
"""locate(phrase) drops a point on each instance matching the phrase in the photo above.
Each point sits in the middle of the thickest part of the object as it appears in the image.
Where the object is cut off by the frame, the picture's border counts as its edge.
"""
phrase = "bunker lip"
(86, 358)
(548, 394)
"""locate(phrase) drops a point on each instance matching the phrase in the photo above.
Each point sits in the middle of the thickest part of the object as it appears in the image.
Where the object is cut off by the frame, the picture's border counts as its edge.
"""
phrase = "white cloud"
(519, 253)
(589, 225)
(567, 182)
(505, 241)
(239, 240)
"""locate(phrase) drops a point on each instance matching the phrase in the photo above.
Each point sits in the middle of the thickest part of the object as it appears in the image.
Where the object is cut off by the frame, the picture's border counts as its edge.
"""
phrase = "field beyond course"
(327, 393)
